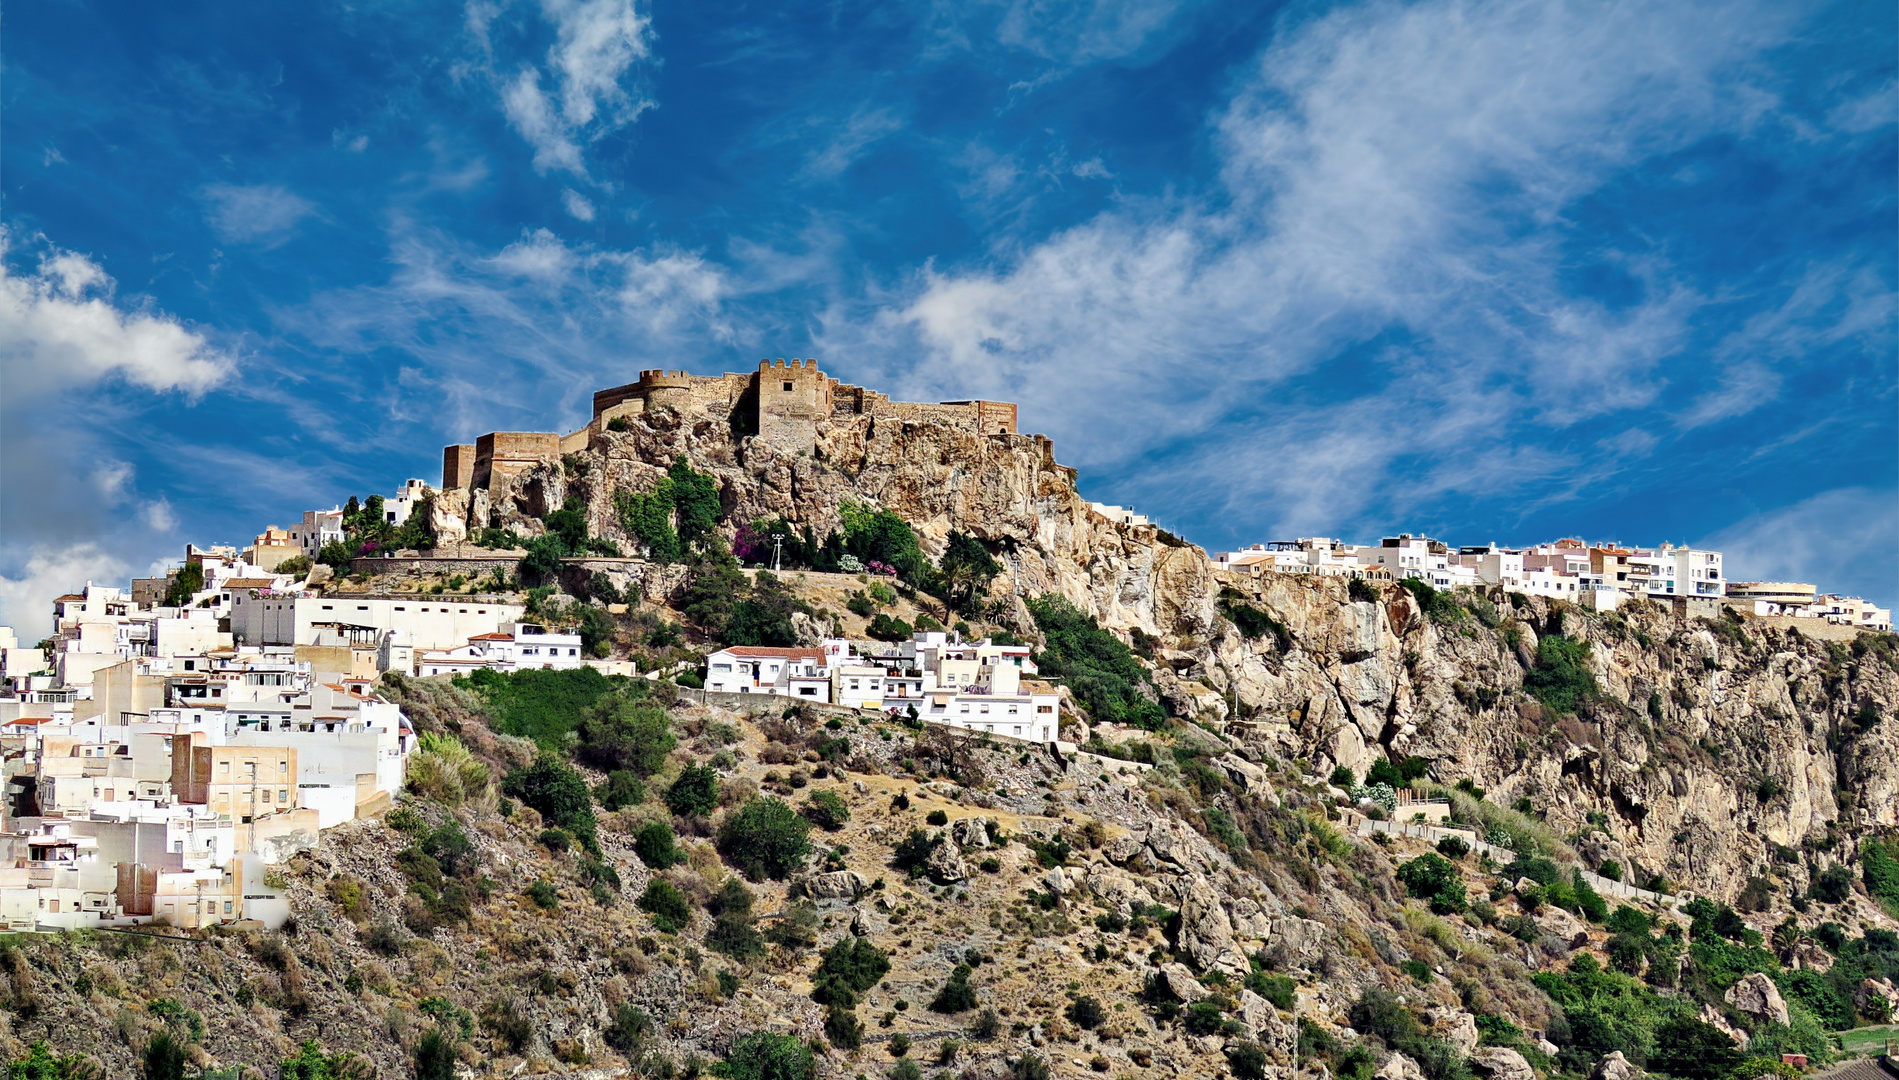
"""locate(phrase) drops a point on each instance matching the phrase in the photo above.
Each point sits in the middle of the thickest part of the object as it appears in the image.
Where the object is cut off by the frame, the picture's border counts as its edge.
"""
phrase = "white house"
(519, 646)
(264, 617)
(761, 669)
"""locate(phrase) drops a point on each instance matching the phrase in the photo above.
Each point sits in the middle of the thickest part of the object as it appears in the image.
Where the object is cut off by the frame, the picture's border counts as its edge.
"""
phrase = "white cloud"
(1844, 540)
(1386, 239)
(577, 204)
(59, 327)
(533, 115)
(26, 601)
(263, 213)
(597, 42)
(864, 128)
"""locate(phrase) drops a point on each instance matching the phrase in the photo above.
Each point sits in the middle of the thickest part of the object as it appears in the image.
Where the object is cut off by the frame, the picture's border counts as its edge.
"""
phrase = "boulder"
(1121, 850)
(1757, 996)
(1272, 1032)
(1559, 923)
(945, 864)
(970, 832)
(1501, 1063)
(1182, 983)
(1458, 1028)
(1296, 941)
(1243, 772)
(1614, 1066)
(1250, 920)
(1399, 1067)
(1063, 880)
(838, 885)
(1206, 935)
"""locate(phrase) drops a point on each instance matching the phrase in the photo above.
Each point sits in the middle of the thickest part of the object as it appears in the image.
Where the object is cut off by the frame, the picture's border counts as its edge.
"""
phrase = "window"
(283, 795)
(787, 388)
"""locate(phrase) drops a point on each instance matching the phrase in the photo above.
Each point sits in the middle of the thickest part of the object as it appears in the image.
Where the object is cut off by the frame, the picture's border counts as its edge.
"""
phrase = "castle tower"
(792, 398)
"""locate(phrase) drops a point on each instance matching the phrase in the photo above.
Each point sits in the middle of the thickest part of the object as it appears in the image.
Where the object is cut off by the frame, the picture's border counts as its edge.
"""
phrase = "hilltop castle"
(781, 404)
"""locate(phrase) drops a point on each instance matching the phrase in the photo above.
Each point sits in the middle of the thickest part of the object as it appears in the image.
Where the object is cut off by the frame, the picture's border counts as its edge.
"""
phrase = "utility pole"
(777, 545)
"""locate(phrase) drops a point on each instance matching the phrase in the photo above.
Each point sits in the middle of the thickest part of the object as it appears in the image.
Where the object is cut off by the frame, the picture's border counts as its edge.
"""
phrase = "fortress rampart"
(782, 404)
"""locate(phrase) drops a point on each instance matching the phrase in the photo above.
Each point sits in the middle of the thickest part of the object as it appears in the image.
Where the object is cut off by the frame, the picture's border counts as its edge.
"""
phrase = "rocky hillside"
(607, 878)
(1715, 753)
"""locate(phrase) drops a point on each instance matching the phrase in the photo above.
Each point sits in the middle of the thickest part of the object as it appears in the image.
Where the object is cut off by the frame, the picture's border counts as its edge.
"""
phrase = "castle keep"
(781, 404)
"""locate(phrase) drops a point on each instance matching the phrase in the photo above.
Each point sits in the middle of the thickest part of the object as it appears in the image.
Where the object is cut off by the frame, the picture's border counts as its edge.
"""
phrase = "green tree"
(875, 535)
(1688, 1049)
(764, 617)
(956, 995)
(714, 584)
(732, 931)
(543, 558)
(695, 793)
(653, 842)
(764, 1055)
(625, 732)
(766, 838)
(849, 968)
(966, 569)
(188, 580)
(435, 1056)
(558, 793)
(164, 1058)
(664, 903)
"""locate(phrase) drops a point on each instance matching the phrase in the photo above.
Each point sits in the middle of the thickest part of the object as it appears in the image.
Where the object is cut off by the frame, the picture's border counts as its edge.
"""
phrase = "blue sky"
(1489, 270)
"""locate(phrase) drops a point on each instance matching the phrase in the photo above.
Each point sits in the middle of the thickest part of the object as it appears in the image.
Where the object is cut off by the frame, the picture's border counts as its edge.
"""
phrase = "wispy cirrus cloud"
(266, 214)
(597, 45)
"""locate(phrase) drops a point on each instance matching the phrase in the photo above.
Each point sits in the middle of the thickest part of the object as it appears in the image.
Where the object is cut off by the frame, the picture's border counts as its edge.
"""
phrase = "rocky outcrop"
(945, 864)
(1757, 996)
(837, 885)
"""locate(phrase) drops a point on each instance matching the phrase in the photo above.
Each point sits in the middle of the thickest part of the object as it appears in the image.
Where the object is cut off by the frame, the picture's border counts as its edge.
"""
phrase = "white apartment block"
(262, 617)
(317, 528)
(516, 647)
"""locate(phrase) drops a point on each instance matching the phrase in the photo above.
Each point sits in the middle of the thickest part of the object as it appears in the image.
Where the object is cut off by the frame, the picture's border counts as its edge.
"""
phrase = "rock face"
(1349, 679)
(1757, 996)
(970, 833)
(838, 885)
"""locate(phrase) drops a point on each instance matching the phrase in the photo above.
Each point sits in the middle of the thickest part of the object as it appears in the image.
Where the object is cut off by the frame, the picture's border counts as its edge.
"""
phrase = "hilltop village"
(764, 719)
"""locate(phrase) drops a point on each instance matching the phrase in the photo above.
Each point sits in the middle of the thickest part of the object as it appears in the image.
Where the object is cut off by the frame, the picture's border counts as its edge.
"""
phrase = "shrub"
(1247, 1060)
(443, 770)
(653, 843)
(849, 968)
(764, 1055)
(555, 840)
(766, 838)
(905, 1068)
(1431, 877)
(630, 1026)
(1361, 591)
(912, 851)
(1453, 847)
(558, 793)
(1879, 865)
(956, 995)
(164, 1058)
(826, 810)
(1203, 1017)
(1278, 989)
(842, 1028)
(1087, 1012)
(621, 789)
(544, 895)
(435, 1056)
(1561, 678)
(664, 903)
(937, 818)
(885, 628)
(695, 793)
(623, 732)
